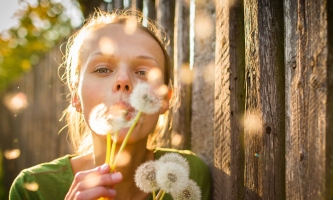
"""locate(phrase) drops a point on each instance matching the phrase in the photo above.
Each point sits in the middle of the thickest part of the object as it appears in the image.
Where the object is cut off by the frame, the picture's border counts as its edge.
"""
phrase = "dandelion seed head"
(171, 177)
(105, 119)
(191, 192)
(175, 158)
(145, 177)
(100, 121)
(144, 99)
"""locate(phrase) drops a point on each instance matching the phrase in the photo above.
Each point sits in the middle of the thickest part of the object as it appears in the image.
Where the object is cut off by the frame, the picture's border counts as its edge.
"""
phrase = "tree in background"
(40, 28)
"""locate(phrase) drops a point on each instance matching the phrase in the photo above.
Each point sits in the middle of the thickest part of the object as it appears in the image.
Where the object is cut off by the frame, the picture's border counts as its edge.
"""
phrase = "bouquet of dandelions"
(169, 174)
(109, 121)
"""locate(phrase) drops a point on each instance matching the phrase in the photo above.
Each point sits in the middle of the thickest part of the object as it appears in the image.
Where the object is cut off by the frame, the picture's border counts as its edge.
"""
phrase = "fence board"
(307, 92)
(182, 117)
(253, 116)
(329, 106)
(229, 98)
(202, 122)
(271, 74)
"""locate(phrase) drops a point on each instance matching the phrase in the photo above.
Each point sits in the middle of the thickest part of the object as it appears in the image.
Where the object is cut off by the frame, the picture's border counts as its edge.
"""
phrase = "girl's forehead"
(115, 38)
(119, 31)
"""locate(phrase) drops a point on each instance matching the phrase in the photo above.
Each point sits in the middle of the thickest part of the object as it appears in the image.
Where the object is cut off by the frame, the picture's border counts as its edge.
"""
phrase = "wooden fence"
(256, 79)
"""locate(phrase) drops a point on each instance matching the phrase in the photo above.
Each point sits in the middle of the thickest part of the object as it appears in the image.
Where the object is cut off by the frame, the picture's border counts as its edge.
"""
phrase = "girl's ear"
(165, 103)
(76, 103)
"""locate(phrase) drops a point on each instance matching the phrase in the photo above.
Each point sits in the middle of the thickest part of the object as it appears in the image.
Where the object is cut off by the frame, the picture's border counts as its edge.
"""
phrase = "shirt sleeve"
(23, 188)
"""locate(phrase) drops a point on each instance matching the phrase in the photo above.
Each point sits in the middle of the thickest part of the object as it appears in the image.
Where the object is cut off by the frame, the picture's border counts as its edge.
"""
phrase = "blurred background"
(33, 34)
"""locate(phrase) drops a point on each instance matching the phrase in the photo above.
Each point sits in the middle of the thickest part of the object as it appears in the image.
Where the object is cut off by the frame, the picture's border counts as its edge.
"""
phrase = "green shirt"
(52, 180)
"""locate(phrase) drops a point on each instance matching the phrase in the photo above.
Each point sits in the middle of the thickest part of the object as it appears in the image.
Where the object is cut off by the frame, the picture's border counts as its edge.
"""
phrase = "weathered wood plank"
(253, 116)
(229, 98)
(202, 121)
(271, 65)
(181, 132)
(307, 94)
(165, 14)
(329, 106)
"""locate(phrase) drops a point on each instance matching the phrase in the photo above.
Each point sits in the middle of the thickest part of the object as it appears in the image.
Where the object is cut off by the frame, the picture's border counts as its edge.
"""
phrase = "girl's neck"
(132, 157)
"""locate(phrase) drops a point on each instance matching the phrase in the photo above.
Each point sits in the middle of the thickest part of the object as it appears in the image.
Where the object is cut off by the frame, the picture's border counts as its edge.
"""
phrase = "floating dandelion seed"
(145, 100)
(171, 177)
(175, 158)
(191, 192)
(145, 177)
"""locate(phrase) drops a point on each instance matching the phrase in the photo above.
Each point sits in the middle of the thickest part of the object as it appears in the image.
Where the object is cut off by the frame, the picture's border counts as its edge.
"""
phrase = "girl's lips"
(123, 108)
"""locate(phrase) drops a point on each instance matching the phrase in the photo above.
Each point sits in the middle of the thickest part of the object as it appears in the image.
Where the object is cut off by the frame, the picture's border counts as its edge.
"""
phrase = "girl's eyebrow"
(147, 58)
(139, 57)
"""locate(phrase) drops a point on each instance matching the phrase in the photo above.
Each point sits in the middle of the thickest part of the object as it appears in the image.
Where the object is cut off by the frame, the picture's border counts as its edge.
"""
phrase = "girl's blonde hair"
(79, 133)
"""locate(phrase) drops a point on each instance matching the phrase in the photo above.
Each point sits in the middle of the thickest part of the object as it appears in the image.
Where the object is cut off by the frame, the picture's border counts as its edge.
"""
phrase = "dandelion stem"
(154, 195)
(113, 148)
(108, 148)
(123, 144)
(160, 195)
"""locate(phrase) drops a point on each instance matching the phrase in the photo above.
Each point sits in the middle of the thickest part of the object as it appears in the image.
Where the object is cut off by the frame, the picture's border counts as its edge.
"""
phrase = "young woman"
(106, 59)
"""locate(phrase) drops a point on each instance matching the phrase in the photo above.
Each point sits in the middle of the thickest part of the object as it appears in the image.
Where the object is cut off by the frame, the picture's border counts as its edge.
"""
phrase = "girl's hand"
(95, 183)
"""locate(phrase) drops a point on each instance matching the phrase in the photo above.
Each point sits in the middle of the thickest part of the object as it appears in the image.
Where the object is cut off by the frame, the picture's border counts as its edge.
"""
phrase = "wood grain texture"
(306, 98)
(271, 94)
(202, 120)
(181, 132)
(329, 106)
(228, 173)
(253, 116)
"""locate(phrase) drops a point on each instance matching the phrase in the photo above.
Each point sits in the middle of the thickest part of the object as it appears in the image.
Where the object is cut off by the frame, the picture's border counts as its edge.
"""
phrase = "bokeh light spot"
(209, 74)
(107, 45)
(130, 26)
(176, 139)
(12, 154)
(252, 122)
(203, 26)
(33, 186)
(185, 75)
(124, 158)
(15, 102)
(155, 76)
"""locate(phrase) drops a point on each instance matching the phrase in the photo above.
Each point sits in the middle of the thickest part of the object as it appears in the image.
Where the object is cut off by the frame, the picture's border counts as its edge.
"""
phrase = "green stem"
(123, 144)
(160, 195)
(154, 195)
(108, 142)
(113, 149)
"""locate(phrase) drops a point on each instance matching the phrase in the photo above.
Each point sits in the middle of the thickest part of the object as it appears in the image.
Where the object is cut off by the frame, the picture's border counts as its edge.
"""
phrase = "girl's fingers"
(102, 180)
(93, 181)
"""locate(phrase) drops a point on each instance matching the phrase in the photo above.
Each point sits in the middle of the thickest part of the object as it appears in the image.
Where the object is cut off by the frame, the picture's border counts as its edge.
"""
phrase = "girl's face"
(112, 64)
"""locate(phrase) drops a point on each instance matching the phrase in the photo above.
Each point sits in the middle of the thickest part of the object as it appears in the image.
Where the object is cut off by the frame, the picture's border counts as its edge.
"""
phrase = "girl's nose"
(123, 83)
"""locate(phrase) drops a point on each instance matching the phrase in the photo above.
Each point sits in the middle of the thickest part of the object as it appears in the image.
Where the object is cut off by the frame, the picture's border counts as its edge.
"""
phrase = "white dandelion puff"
(171, 177)
(175, 158)
(104, 120)
(145, 177)
(191, 192)
(100, 121)
(144, 99)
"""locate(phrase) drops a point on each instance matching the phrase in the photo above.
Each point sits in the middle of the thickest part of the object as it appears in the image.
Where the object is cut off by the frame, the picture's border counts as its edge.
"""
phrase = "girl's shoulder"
(35, 181)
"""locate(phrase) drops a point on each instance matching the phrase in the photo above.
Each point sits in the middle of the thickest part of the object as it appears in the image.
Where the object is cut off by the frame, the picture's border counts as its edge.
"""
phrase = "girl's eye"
(142, 73)
(103, 70)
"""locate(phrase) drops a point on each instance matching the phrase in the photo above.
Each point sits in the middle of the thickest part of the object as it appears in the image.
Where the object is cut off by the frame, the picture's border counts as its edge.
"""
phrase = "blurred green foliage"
(21, 47)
